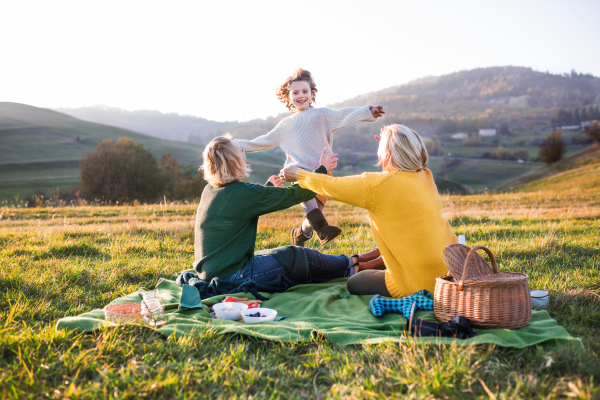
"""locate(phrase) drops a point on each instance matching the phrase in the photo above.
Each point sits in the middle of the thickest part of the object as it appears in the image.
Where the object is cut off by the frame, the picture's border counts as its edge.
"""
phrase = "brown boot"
(298, 237)
(376, 263)
(325, 232)
(371, 255)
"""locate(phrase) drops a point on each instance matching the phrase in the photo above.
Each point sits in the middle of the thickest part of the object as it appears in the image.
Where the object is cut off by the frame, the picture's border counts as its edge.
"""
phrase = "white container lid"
(539, 293)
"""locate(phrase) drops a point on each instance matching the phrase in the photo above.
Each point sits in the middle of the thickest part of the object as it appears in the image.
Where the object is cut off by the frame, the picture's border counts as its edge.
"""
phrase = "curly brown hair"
(283, 90)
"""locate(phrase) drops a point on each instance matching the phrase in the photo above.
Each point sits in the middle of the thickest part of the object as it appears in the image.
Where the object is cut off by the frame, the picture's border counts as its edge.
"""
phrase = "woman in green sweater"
(227, 218)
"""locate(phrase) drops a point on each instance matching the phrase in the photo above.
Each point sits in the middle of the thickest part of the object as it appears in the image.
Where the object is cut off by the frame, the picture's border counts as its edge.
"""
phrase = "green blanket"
(326, 309)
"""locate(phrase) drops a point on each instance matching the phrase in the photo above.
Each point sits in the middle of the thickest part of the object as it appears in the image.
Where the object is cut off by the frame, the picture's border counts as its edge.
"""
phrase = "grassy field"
(41, 148)
(519, 140)
(57, 262)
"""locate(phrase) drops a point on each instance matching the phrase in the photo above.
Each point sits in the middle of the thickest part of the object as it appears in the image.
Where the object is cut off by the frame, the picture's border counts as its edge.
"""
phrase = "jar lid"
(538, 294)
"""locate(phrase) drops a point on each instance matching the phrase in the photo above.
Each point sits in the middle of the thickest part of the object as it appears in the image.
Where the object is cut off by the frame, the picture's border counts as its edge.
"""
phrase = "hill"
(170, 126)
(579, 172)
(41, 148)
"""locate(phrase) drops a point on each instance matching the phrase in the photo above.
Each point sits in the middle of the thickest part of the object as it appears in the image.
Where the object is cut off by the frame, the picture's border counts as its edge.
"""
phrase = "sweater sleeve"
(348, 116)
(353, 190)
(276, 198)
(264, 142)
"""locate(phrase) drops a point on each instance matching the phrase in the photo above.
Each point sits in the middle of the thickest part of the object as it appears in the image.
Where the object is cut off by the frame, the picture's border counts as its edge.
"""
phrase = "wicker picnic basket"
(478, 292)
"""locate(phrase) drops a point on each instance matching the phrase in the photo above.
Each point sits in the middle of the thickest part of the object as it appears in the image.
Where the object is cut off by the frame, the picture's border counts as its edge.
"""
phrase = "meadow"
(63, 261)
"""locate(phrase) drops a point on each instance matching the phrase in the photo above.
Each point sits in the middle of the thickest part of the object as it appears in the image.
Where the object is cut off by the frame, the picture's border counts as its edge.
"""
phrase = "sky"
(222, 60)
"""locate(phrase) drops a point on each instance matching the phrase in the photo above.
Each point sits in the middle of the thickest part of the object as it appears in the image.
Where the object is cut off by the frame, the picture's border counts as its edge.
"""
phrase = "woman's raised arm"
(348, 189)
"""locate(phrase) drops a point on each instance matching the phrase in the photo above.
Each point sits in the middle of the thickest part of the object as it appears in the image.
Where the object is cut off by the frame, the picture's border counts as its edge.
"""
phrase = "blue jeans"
(322, 267)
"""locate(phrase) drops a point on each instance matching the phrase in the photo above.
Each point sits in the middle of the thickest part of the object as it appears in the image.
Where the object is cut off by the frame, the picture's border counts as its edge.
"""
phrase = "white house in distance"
(487, 132)
(460, 136)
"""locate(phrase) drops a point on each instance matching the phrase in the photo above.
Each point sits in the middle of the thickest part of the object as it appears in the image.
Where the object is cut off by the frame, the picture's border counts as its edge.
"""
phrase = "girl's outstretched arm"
(264, 142)
(347, 116)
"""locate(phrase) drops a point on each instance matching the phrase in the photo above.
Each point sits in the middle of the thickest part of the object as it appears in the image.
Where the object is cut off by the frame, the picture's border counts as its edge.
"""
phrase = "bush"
(179, 182)
(521, 154)
(501, 153)
(121, 171)
(433, 146)
(593, 131)
(552, 148)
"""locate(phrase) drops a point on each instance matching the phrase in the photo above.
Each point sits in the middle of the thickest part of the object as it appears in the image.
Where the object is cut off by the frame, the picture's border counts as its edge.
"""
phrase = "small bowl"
(539, 298)
(269, 315)
(230, 315)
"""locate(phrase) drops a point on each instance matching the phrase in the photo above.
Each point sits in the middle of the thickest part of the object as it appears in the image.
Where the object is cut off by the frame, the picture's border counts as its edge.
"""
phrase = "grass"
(57, 262)
(41, 148)
(560, 173)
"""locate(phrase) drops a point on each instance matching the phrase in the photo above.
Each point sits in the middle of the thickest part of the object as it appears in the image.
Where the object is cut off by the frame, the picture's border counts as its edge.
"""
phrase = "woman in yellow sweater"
(405, 212)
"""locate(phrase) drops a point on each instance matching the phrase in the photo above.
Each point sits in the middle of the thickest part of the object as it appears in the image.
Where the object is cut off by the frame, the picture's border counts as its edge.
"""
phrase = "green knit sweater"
(227, 219)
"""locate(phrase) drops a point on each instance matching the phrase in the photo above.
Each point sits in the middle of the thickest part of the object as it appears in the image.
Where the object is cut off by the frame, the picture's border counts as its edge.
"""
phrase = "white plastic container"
(233, 315)
(539, 298)
(269, 315)
(462, 240)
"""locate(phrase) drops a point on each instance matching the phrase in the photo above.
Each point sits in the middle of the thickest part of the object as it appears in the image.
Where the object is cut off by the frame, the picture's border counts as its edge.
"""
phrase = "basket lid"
(502, 278)
(455, 255)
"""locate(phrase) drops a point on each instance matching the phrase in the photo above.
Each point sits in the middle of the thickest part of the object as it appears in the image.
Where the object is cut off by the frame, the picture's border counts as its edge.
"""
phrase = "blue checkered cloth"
(423, 300)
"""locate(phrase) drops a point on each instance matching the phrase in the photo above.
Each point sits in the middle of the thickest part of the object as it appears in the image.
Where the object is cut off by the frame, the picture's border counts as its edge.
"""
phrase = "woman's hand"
(289, 173)
(328, 159)
(377, 112)
(274, 179)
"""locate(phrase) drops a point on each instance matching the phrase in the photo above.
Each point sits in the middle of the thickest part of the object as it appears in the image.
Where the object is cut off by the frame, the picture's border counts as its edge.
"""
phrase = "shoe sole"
(331, 238)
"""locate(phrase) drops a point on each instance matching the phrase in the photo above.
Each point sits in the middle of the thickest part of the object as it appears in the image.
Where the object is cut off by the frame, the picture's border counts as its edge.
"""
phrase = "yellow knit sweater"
(405, 211)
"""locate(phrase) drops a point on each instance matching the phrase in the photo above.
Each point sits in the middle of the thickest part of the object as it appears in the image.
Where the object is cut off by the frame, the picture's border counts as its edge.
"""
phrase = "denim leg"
(324, 267)
(266, 268)
(259, 269)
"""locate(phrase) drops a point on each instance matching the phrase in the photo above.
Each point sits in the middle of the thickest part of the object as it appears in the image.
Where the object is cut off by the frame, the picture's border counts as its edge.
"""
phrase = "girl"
(405, 211)
(303, 136)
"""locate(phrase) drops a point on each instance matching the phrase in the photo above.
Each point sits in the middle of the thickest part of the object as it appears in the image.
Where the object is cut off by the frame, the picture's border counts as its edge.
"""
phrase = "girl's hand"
(274, 179)
(328, 159)
(289, 174)
(377, 112)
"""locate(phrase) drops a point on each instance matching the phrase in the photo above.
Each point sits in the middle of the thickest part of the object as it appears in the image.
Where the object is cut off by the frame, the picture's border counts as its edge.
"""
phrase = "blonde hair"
(406, 148)
(222, 162)
(283, 90)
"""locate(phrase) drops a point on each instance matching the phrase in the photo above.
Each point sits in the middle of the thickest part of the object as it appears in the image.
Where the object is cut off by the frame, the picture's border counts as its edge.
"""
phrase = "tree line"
(124, 171)
(566, 116)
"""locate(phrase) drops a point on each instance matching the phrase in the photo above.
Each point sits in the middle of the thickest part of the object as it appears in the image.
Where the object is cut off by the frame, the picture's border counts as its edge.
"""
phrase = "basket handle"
(470, 255)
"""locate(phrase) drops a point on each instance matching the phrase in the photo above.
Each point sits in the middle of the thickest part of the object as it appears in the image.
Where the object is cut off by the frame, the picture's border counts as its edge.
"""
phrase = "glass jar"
(153, 309)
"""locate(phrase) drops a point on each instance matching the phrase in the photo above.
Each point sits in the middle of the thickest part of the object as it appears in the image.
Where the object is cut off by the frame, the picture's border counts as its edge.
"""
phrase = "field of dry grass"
(57, 262)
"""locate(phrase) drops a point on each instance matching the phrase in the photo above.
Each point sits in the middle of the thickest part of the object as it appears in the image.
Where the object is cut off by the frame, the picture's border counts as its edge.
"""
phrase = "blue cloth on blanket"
(423, 300)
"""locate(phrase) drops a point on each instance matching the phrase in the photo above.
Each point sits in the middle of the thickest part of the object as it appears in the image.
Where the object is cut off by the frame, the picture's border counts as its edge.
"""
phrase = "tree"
(179, 182)
(552, 148)
(584, 115)
(504, 129)
(521, 154)
(576, 117)
(593, 130)
(501, 153)
(121, 171)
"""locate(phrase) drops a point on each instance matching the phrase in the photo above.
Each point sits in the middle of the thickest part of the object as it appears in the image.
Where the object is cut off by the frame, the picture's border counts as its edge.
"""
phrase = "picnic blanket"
(327, 309)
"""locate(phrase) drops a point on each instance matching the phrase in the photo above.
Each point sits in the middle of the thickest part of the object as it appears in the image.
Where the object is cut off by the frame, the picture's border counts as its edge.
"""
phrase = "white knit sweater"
(305, 134)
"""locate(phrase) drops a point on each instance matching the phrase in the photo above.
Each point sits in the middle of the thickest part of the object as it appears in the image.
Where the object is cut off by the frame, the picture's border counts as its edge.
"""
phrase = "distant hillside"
(463, 101)
(499, 86)
(41, 148)
(578, 172)
(165, 126)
